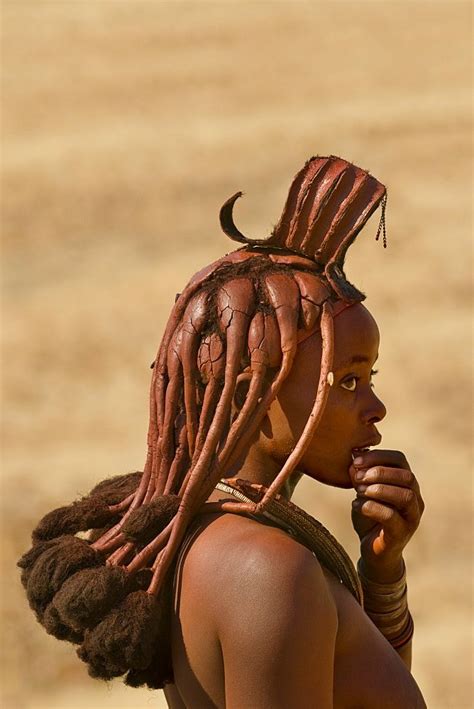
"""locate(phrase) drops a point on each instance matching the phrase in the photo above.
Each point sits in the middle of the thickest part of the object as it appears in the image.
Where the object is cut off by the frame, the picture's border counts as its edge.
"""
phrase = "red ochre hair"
(246, 312)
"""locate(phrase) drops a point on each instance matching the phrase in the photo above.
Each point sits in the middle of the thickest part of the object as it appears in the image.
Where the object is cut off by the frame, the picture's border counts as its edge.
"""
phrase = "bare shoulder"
(271, 609)
(247, 558)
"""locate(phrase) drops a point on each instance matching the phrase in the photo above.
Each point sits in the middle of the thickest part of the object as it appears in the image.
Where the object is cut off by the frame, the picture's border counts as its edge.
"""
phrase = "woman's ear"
(241, 391)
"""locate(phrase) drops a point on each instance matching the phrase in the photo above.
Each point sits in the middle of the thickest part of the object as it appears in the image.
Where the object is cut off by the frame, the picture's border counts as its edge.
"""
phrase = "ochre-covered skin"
(276, 628)
(246, 380)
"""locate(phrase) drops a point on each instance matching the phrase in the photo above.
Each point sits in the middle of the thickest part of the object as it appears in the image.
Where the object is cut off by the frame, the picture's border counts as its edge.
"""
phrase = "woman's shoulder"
(251, 594)
(247, 559)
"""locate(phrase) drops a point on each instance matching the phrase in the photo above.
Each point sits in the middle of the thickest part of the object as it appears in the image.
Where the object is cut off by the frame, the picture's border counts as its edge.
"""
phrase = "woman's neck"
(261, 468)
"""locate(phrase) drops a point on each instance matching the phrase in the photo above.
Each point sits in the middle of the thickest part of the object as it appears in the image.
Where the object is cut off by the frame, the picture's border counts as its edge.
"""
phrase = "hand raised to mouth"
(386, 511)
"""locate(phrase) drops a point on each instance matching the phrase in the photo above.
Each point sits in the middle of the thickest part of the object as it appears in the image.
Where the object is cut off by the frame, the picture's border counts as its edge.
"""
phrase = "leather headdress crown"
(329, 202)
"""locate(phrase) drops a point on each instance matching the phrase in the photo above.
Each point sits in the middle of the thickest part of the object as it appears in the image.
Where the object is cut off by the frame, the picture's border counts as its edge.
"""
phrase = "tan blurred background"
(125, 127)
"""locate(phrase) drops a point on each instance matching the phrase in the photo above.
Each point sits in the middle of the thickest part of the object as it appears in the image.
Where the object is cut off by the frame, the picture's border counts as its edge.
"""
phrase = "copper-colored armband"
(386, 605)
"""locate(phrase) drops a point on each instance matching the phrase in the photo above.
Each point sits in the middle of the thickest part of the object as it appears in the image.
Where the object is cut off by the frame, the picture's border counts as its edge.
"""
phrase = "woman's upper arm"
(278, 638)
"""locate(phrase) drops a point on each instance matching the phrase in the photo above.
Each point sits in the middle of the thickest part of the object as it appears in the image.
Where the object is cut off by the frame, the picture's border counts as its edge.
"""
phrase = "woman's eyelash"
(347, 382)
(354, 378)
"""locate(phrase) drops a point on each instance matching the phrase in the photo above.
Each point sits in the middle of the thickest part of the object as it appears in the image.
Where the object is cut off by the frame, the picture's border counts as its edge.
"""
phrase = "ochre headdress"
(329, 202)
(244, 313)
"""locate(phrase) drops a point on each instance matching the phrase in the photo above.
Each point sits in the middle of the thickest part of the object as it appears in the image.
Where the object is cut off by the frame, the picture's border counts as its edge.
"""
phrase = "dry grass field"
(126, 124)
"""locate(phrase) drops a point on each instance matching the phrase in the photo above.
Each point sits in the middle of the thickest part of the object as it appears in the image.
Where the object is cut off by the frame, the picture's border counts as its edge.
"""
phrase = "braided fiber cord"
(306, 529)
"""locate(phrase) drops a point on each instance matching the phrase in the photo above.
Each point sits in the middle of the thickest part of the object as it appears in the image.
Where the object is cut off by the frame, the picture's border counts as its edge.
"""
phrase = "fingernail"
(358, 460)
(360, 475)
(361, 488)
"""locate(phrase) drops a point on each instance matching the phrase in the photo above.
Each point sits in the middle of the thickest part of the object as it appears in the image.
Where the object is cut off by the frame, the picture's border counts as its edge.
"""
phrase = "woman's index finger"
(390, 458)
(401, 477)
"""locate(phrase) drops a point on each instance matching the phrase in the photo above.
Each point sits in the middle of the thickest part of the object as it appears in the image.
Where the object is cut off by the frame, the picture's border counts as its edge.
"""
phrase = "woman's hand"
(386, 511)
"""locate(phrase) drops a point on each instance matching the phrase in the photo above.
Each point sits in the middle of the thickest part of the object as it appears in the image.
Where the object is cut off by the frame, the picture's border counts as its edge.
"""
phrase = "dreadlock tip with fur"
(125, 639)
(89, 594)
(55, 626)
(147, 521)
(56, 564)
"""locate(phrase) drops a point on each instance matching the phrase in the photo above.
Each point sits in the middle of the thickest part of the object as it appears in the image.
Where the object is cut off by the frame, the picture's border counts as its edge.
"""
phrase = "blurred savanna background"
(126, 125)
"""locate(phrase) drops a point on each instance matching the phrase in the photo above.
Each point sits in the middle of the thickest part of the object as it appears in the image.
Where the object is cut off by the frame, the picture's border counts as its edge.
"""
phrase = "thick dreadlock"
(244, 313)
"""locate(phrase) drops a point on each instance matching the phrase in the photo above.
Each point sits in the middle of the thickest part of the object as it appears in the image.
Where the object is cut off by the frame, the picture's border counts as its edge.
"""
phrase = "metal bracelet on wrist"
(387, 607)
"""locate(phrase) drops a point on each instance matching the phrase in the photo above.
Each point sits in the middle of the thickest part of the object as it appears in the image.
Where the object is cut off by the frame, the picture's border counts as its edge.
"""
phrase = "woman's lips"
(367, 445)
(357, 451)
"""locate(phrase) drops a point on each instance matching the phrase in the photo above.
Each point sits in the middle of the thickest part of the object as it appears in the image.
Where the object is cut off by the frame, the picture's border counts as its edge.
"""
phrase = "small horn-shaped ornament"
(329, 202)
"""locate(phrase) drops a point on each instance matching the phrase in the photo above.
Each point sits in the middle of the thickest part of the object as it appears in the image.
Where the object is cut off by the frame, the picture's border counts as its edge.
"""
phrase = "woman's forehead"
(356, 336)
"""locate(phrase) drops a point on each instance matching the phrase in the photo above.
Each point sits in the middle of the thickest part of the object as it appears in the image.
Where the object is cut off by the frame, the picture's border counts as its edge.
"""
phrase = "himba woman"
(198, 575)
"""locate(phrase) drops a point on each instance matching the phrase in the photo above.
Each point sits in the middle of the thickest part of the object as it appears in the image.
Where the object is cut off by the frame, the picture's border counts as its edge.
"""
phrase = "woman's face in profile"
(352, 411)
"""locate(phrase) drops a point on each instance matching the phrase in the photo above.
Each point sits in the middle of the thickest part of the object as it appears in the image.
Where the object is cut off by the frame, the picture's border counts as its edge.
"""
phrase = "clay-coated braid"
(307, 178)
(327, 358)
(172, 398)
(262, 408)
(259, 359)
(378, 194)
(343, 209)
(193, 287)
(196, 282)
(195, 317)
(211, 395)
(243, 418)
(143, 557)
(235, 302)
(120, 555)
(283, 295)
(232, 303)
(136, 502)
(176, 469)
(316, 199)
(327, 331)
(121, 506)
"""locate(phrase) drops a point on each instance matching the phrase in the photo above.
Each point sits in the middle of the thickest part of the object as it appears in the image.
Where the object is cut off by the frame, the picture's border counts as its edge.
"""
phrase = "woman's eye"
(349, 384)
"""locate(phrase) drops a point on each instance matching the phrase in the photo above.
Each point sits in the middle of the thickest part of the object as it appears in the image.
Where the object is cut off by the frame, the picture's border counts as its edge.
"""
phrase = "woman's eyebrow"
(355, 359)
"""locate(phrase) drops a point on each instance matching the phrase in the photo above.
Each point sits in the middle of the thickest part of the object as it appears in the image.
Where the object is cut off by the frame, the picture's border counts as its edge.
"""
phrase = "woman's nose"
(375, 410)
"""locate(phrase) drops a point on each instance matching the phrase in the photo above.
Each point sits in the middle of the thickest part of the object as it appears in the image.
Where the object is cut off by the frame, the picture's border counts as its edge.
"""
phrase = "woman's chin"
(336, 477)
